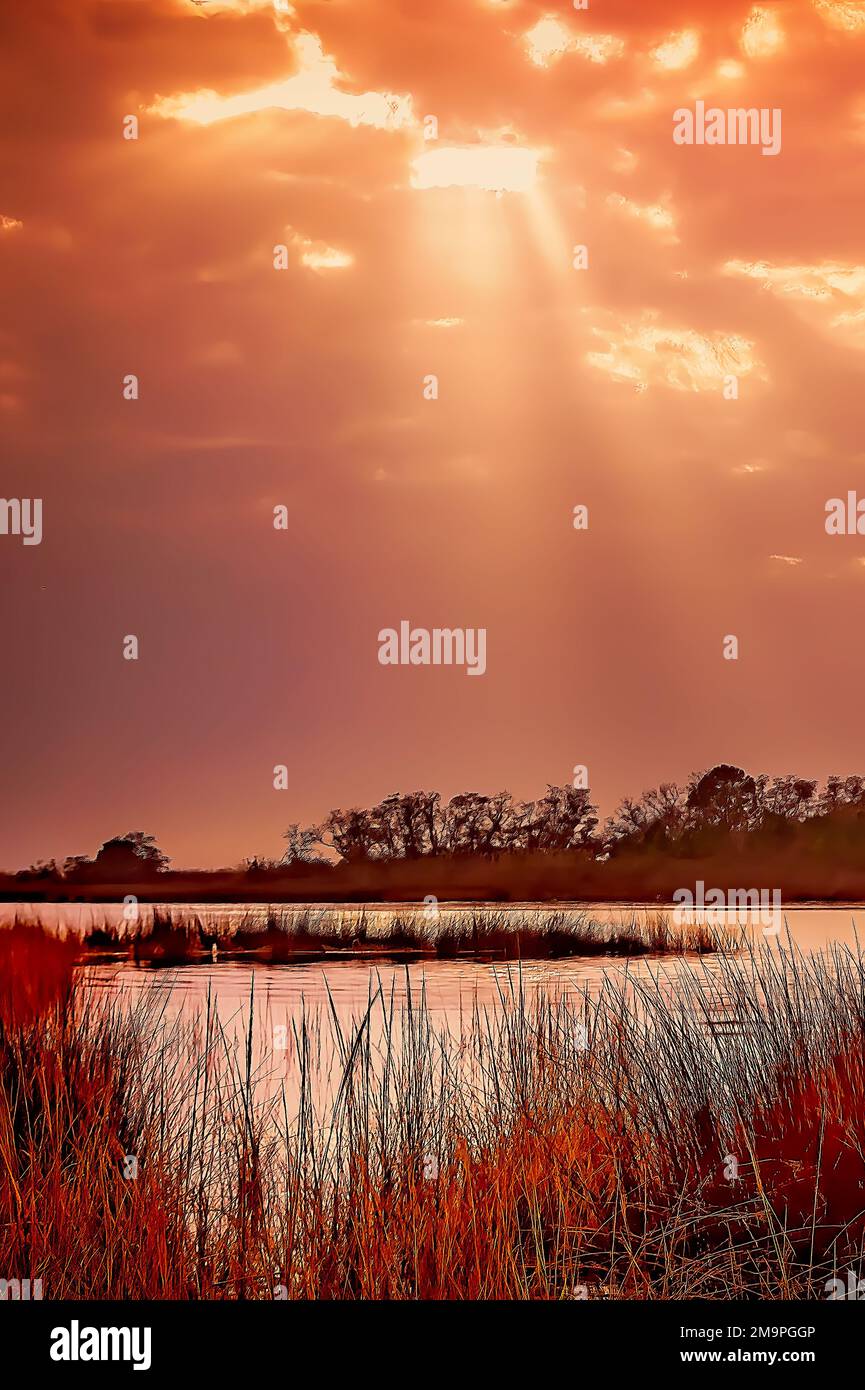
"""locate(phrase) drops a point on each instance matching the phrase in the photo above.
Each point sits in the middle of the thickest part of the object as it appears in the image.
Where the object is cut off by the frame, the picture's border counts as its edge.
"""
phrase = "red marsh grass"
(697, 1136)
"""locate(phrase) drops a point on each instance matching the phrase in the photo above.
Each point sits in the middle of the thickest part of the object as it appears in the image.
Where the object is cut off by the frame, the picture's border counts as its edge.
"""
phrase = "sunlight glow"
(730, 68)
(310, 89)
(762, 35)
(498, 168)
(206, 8)
(832, 292)
(842, 14)
(598, 48)
(679, 358)
(678, 51)
(549, 40)
(821, 281)
(319, 256)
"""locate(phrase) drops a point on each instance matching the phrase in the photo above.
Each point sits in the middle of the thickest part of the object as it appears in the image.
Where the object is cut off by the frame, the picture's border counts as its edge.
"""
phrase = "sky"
(326, 205)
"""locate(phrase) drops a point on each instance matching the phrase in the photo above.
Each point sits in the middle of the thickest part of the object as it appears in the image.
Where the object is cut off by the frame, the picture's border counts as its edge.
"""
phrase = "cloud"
(549, 40)
(313, 88)
(822, 281)
(158, 254)
(830, 292)
(842, 14)
(208, 8)
(683, 359)
(317, 255)
(678, 51)
(656, 215)
(762, 35)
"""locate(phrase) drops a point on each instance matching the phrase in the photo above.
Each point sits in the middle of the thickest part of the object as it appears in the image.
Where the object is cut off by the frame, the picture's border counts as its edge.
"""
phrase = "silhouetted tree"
(841, 793)
(42, 869)
(301, 845)
(719, 811)
(476, 824)
(415, 825)
(790, 797)
(126, 858)
(563, 819)
(725, 798)
(657, 820)
(350, 834)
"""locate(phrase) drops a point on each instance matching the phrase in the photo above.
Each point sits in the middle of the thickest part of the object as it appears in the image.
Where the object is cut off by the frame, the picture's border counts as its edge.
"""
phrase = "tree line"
(712, 810)
(724, 802)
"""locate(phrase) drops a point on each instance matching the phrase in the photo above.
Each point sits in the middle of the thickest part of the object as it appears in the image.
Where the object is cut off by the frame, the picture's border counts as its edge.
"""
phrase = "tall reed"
(690, 1134)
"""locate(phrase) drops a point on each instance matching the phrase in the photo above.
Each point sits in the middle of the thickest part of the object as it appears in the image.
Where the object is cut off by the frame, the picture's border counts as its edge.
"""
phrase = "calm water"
(335, 995)
(450, 986)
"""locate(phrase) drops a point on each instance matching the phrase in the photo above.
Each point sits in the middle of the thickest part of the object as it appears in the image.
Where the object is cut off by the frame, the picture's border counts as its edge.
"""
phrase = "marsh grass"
(556, 1148)
(175, 937)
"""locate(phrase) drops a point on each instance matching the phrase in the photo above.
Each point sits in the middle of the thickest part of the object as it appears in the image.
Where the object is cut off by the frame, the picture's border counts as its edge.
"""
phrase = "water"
(811, 925)
(270, 1003)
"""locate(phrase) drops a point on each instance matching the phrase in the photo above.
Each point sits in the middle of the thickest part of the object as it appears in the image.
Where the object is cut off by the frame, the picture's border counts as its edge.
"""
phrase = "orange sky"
(301, 125)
